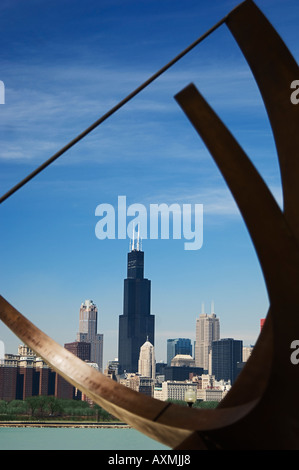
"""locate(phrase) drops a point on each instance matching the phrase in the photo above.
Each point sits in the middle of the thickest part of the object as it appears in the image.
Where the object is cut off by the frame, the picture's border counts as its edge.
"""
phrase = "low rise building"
(25, 375)
(173, 390)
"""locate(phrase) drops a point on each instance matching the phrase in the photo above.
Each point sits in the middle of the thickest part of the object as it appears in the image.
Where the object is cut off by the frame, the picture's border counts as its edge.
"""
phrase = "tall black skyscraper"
(136, 324)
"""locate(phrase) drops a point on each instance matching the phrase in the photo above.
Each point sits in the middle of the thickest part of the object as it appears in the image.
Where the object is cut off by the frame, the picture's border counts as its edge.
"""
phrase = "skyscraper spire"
(133, 242)
(138, 241)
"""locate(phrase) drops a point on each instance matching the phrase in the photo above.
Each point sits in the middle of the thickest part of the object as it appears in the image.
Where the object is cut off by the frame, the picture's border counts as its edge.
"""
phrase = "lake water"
(75, 439)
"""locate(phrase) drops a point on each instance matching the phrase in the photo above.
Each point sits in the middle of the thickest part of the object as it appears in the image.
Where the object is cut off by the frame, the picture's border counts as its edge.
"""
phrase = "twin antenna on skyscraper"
(138, 241)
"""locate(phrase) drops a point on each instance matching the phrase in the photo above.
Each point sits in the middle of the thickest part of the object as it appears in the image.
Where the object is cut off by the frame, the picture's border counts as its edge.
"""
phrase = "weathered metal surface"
(274, 422)
(260, 411)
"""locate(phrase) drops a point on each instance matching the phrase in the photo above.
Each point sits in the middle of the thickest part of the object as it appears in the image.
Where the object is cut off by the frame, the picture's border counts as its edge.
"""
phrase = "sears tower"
(136, 324)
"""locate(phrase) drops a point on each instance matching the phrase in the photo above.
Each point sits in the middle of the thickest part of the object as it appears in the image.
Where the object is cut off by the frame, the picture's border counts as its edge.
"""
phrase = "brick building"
(25, 376)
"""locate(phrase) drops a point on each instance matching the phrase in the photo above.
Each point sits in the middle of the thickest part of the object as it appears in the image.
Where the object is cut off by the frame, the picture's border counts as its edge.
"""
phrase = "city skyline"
(64, 65)
(175, 347)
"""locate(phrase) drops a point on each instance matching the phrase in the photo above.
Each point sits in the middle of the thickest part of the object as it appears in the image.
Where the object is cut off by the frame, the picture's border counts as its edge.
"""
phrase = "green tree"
(17, 407)
(36, 404)
(206, 404)
(53, 406)
(101, 414)
(3, 407)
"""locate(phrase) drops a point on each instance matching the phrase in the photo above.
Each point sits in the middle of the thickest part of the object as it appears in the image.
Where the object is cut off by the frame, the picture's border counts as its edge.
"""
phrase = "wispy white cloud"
(53, 103)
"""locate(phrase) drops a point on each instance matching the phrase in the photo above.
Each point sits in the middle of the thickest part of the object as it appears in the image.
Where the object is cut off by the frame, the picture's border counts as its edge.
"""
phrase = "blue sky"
(64, 64)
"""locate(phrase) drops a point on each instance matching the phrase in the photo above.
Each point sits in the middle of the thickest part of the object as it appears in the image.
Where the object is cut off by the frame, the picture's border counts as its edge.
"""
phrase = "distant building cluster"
(209, 367)
(24, 374)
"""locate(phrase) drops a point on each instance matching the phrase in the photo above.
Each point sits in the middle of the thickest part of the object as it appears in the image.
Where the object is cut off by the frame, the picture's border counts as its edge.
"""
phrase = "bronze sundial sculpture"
(260, 411)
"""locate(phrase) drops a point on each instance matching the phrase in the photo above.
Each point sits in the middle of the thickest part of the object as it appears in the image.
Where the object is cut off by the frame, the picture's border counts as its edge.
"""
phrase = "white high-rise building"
(207, 330)
(88, 331)
(147, 363)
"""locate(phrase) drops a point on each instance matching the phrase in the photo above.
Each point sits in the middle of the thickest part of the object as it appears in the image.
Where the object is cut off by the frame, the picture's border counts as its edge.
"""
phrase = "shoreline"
(58, 424)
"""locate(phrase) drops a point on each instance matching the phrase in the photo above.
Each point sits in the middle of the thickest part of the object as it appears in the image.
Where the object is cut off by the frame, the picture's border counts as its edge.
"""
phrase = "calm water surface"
(75, 439)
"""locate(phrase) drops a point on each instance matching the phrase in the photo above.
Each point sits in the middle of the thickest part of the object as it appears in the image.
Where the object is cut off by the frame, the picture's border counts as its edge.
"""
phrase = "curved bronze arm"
(260, 411)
